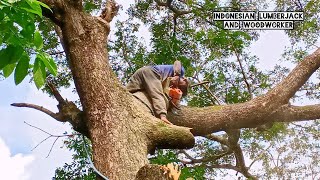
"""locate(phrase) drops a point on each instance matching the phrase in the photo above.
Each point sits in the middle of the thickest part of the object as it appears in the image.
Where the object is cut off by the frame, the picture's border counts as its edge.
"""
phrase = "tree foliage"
(21, 41)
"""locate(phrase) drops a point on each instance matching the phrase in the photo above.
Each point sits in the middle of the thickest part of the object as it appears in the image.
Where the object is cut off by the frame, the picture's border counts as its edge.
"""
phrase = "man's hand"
(163, 117)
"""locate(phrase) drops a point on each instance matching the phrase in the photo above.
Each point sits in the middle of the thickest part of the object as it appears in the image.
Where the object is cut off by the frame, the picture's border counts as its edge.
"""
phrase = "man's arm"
(177, 66)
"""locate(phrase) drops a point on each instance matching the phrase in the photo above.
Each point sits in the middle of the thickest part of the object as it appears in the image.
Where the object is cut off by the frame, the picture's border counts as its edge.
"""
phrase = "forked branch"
(68, 111)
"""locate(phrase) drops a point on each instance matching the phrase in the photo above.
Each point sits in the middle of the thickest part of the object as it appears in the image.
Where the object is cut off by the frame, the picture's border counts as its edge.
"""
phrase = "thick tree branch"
(164, 136)
(296, 79)
(252, 113)
(158, 172)
(170, 136)
(76, 4)
(289, 113)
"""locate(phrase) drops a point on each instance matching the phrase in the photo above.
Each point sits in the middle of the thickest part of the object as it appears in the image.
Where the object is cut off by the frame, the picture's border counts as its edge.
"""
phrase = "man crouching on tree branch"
(163, 84)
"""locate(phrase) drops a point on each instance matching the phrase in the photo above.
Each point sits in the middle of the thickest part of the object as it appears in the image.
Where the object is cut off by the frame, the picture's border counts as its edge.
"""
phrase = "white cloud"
(20, 138)
(13, 167)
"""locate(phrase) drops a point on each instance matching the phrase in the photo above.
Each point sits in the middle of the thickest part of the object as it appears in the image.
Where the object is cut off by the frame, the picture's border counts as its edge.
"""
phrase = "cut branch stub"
(158, 172)
(152, 172)
(162, 135)
(171, 137)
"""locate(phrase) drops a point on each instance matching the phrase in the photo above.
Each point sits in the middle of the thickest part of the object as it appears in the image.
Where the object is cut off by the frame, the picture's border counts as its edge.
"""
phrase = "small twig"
(204, 82)
(204, 160)
(235, 168)
(260, 155)
(193, 160)
(212, 96)
(41, 142)
(50, 136)
(52, 146)
(242, 72)
(56, 53)
(37, 128)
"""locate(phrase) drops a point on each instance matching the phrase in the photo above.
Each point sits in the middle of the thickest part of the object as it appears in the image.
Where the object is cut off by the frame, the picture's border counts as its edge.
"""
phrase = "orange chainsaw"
(175, 94)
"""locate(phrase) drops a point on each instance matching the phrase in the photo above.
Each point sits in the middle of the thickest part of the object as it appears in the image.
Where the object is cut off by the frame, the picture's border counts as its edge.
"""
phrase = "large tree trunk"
(120, 132)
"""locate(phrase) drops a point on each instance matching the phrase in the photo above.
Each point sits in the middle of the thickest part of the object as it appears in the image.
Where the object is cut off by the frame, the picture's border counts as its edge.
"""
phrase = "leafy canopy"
(22, 43)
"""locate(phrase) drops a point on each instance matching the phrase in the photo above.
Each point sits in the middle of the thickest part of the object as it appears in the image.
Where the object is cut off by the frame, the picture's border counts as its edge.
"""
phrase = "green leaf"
(31, 10)
(49, 63)
(4, 59)
(5, 3)
(16, 54)
(39, 73)
(8, 69)
(37, 39)
(43, 5)
(28, 31)
(22, 69)
(36, 8)
(1, 15)
(12, 1)
(10, 55)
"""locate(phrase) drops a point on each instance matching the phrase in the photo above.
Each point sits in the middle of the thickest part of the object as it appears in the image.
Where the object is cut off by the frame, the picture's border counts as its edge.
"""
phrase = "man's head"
(181, 83)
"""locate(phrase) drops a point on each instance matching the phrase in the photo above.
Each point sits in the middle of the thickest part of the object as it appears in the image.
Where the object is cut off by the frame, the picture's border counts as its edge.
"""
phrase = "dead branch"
(68, 111)
(214, 99)
(56, 116)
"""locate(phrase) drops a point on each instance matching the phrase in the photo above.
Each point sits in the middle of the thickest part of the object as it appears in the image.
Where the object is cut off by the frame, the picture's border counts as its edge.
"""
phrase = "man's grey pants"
(148, 80)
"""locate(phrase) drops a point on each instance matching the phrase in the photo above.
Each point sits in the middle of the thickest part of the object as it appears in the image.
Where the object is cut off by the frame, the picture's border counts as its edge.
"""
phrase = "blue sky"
(20, 138)
(17, 139)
